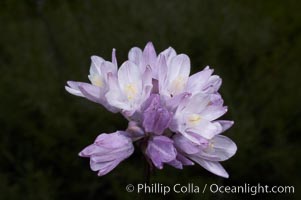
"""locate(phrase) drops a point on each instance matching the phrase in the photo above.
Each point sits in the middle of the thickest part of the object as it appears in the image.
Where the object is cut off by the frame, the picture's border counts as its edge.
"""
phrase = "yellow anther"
(97, 81)
(210, 148)
(178, 84)
(194, 119)
(130, 91)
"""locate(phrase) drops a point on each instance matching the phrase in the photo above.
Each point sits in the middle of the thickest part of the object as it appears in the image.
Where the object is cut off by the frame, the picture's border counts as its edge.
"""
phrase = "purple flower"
(207, 153)
(174, 75)
(107, 151)
(96, 91)
(196, 115)
(156, 117)
(160, 150)
(147, 57)
(173, 117)
(203, 82)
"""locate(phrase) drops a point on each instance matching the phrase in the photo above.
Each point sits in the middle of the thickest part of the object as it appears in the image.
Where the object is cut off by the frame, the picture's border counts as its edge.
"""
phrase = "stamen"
(96, 80)
(130, 91)
(178, 85)
(194, 119)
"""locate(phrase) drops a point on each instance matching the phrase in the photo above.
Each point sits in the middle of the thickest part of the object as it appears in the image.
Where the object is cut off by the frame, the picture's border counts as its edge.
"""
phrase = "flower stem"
(148, 170)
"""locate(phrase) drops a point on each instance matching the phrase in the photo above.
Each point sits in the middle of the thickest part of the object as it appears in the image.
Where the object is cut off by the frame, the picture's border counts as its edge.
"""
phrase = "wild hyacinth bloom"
(173, 117)
(107, 151)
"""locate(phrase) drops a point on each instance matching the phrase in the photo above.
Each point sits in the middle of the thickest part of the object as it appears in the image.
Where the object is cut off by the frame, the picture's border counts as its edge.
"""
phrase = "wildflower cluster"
(173, 117)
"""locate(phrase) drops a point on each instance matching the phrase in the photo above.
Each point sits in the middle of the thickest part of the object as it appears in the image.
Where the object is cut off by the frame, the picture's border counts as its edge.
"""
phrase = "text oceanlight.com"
(159, 188)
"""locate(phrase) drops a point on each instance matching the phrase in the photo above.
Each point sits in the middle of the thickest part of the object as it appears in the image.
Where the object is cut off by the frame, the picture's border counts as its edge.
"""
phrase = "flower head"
(173, 117)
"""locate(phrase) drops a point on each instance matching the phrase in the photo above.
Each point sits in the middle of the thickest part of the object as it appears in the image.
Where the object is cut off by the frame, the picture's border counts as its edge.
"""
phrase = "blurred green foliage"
(254, 46)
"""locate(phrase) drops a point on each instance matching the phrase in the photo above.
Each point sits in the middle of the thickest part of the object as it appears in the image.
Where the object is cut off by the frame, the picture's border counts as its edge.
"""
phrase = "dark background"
(254, 46)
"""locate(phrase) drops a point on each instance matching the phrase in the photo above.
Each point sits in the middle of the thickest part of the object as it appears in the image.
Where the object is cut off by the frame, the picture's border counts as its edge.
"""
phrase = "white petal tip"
(226, 176)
